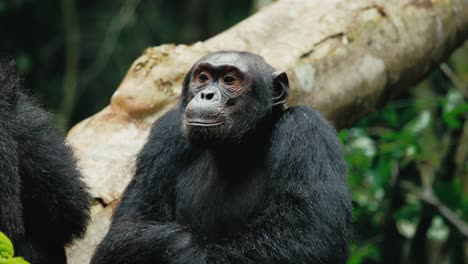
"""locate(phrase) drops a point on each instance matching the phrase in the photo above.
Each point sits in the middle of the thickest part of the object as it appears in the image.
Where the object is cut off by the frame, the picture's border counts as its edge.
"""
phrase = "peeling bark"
(345, 58)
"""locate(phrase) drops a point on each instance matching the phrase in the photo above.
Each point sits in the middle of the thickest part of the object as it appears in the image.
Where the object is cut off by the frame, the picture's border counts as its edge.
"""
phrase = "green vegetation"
(408, 173)
(7, 252)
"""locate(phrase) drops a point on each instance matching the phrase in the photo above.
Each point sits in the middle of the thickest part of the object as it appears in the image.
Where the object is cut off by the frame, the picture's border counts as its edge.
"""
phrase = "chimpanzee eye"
(229, 79)
(202, 77)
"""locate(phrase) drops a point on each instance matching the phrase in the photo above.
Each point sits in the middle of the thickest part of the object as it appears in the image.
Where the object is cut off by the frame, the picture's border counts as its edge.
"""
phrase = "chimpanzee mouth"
(203, 123)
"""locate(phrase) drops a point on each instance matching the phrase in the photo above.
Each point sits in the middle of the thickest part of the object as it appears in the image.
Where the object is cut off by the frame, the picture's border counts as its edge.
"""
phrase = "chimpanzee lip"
(203, 123)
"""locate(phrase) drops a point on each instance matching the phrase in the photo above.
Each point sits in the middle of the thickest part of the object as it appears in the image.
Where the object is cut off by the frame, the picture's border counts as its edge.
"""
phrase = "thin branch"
(459, 85)
(72, 61)
(125, 16)
(452, 218)
(427, 196)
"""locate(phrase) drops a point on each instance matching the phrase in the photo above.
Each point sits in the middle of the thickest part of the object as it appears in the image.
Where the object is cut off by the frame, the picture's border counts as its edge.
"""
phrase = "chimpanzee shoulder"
(44, 203)
(232, 176)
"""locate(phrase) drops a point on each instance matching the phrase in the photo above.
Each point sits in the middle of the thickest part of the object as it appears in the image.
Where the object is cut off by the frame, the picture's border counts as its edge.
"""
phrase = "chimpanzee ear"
(280, 88)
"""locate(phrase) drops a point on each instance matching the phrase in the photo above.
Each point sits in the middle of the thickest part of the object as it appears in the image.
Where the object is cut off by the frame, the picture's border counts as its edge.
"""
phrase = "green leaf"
(359, 254)
(450, 193)
(17, 260)
(7, 252)
(439, 230)
(6, 247)
(452, 118)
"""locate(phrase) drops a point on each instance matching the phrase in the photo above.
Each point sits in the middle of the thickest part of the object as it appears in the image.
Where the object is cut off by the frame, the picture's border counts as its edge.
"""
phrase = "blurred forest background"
(408, 160)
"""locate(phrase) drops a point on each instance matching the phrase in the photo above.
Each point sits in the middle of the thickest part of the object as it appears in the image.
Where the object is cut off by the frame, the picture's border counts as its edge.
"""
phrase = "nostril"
(205, 95)
(209, 96)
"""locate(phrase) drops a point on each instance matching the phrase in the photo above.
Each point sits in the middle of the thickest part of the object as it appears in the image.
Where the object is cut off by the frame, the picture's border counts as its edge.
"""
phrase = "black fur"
(44, 204)
(277, 194)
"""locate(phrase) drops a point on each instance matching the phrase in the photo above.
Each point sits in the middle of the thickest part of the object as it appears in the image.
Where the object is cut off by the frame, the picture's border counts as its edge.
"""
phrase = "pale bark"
(345, 58)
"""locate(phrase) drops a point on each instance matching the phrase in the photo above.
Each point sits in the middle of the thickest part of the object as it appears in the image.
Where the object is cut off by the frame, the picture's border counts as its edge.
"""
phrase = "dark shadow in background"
(107, 37)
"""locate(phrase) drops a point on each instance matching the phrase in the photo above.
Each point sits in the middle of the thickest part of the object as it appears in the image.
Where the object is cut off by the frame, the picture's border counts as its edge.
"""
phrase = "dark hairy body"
(231, 176)
(44, 204)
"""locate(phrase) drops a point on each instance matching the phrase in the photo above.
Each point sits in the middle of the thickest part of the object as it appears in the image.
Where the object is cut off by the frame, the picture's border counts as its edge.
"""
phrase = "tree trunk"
(345, 58)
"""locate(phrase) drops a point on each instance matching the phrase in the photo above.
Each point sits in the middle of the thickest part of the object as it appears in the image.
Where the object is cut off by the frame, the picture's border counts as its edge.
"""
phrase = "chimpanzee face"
(227, 94)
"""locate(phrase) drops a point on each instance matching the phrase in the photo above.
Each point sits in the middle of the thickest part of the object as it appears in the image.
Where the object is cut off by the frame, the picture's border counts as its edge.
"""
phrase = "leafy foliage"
(413, 144)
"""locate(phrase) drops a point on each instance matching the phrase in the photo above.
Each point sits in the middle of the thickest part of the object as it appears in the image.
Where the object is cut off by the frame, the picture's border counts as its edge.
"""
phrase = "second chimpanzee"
(232, 176)
(44, 203)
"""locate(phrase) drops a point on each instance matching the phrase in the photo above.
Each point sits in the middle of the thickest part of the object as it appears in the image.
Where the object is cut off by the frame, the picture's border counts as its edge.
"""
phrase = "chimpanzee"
(232, 176)
(44, 203)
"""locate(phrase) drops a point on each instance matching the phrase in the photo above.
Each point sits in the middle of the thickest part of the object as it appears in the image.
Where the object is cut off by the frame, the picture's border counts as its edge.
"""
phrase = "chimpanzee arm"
(11, 213)
(308, 219)
(12, 221)
(56, 198)
(143, 228)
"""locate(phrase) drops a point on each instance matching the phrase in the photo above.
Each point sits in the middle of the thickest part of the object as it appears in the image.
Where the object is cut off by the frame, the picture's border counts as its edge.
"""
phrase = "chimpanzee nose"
(207, 95)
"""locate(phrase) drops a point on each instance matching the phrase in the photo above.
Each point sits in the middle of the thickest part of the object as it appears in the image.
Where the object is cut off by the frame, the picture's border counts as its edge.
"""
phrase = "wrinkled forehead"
(226, 59)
